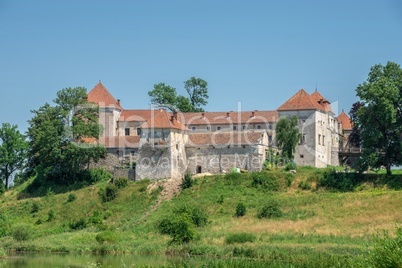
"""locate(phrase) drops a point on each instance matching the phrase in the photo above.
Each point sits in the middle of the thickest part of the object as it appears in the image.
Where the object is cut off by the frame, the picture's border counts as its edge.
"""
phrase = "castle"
(165, 145)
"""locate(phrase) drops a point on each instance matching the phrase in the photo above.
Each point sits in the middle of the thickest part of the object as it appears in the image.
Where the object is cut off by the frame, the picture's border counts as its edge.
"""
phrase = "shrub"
(387, 252)
(96, 218)
(265, 180)
(22, 232)
(71, 198)
(179, 227)
(106, 236)
(338, 181)
(3, 253)
(239, 238)
(99, 174)
(121, 182)
(78, 225)
(187, 181)
(240, 210)
(270, 210)
(233, 177)
(5, 225)
(109, 193)
(197, 215)
(305, 185)
(34, 208)
(50, 215)
(2, 187)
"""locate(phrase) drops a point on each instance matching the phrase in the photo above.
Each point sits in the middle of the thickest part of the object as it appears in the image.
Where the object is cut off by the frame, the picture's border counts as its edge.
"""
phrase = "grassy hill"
(319, 222)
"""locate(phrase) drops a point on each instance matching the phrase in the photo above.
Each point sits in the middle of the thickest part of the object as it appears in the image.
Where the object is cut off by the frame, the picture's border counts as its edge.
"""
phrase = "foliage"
(180, 223)
(2, 188)
(108, 193)
(99, 174)
(51, 215)
(287, 135)
(354, 136)
(22, 232)
(78, 224)
(5, 225)
(240, 210)
(265, 180)
(35, 207)
(13, 148)
(71, 198)
(387, 252)
(106, 236)
(166, 96)
(240, 238)
(3, 253)
(57, 150)
(379, 118)
(179, 226)
(96, 218)
(337, 181)
(187, 181)
(270, 210)
(120, 183)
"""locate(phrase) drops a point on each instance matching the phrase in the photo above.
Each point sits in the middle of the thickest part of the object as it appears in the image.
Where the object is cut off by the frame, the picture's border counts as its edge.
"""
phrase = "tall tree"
(57, 134)
(13, 149)
(379, 118)
(166, 96)
(354, 137)
(197, 90)
(287, 135)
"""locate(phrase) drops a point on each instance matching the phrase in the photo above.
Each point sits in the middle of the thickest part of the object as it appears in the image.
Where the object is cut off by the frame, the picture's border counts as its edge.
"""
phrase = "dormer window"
(193, 128)
(218, 128)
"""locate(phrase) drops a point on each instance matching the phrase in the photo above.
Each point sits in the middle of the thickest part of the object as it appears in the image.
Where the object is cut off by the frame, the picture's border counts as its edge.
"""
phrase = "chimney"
(227, 114)
(203, 114)
(252, 114)
(118, 101)
(174, 116)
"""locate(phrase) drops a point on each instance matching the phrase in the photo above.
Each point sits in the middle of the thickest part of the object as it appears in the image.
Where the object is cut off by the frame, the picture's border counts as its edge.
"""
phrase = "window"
(218, 128)
(319, 139)
(269, 126)
(302, 156)
(303, 138)
(208, 128)
(177, 146)
(323, 140)
(234, 127)
(127, 132)
(198, 169)
(193, 128)
(244, 127)
(258, 127)
(138, 131)
(269, 138)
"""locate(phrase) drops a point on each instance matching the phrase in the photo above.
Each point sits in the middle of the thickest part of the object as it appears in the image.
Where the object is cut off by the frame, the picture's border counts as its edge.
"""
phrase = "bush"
(109, 193)
(96, 218)
(240, 210)
(179, 227)
(270, 210)
(34, 208)
(386, 253)
(22, 232)
(78, 225)
(239, 238)
(338, 181)
(121, 182)
(99, 174)
(187, 181)
(3, 253)
(305, 185)
(106, 236)
(265, 180)
(197, 215)
(50, 215)
(5, 225)
(71, 198)
(2, 187)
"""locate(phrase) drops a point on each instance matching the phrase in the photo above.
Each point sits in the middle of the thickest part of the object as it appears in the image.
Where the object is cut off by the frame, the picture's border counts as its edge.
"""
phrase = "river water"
(43, 260)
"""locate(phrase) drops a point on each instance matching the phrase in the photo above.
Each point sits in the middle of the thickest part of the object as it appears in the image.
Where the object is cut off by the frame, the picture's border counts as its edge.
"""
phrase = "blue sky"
(258, 53)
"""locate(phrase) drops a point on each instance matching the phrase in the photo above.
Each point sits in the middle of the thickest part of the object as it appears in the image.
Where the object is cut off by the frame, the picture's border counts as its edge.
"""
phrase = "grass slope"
(317, 227)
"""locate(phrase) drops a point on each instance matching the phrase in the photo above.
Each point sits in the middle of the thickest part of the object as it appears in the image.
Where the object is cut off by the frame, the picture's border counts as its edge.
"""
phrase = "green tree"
(379, 119)
(197, 90)
(166, 96)
(13, 148)
(287, 135)
(57, 137)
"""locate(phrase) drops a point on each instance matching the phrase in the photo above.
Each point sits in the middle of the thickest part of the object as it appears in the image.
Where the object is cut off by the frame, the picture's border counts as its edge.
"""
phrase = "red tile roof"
(345, 121)
(116, 142)
(324, 103)
(225, 138)
(101, 96)
(221, 118)
(137, 115)
(301, 101)
(163, 120)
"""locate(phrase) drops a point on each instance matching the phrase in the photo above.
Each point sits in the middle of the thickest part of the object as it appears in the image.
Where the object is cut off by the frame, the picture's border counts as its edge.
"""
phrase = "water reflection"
(26, 260)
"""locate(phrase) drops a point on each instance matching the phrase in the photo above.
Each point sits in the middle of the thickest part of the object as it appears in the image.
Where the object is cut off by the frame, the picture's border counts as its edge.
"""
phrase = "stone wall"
(154, 162)
(216, 160)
